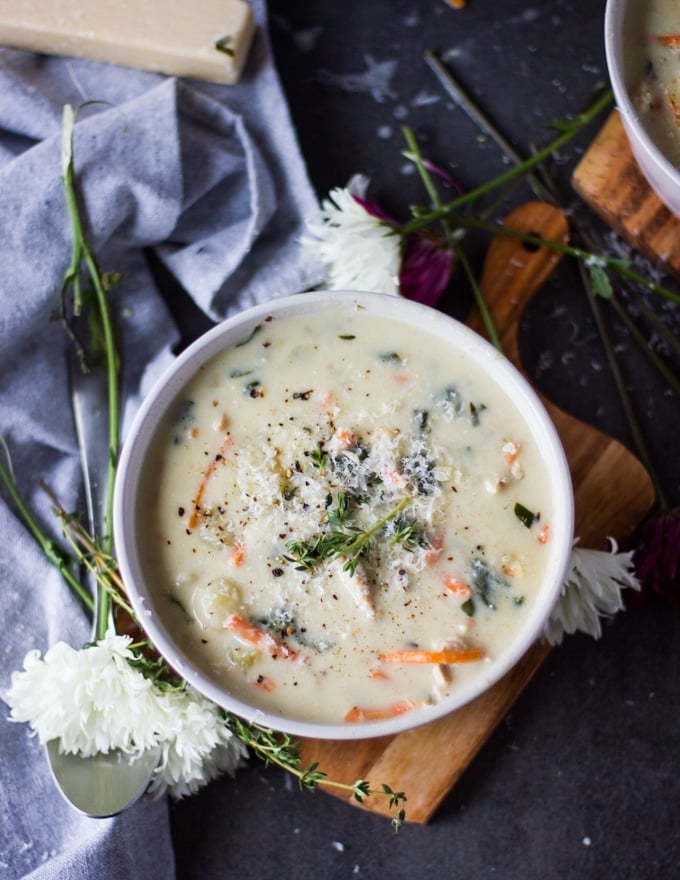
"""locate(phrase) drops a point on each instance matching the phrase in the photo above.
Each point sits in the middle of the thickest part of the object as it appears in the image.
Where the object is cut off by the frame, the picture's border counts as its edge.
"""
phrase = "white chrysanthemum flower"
(358, 250)
(198, 745)
(93, 700)
(592, 590)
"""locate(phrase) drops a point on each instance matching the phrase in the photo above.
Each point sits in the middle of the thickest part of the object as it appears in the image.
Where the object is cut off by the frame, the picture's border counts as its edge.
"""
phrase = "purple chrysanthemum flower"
(362, 248)
(657, 555)
(426, 270)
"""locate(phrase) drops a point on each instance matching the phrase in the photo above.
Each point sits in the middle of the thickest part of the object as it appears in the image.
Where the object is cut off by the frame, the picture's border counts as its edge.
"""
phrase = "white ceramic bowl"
(128, 525)
(626, 53)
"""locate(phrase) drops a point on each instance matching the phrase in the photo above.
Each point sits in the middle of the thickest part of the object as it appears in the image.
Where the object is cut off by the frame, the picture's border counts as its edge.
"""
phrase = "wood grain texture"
(609, 180)
(612, 494)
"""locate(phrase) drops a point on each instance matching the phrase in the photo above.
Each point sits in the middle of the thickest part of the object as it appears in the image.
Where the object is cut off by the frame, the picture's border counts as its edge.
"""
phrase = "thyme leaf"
(343, 540)
(222, 45)
(281, 750)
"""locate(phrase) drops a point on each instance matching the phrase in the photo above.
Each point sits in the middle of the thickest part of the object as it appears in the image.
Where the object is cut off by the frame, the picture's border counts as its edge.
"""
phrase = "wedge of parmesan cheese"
(205, 39)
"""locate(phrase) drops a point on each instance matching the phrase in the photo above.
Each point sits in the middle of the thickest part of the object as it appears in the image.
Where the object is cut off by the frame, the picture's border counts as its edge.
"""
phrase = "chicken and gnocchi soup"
(342, 519)
(658, 98)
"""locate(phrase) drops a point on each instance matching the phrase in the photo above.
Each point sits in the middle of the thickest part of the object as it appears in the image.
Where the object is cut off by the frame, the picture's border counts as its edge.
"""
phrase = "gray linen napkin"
(211, 178)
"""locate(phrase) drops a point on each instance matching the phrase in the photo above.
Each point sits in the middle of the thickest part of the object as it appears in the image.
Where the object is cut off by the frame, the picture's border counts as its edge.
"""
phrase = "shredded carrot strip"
(345, 438)
(256, 635)
(358, 713)
(455, 585)
(238, 554)
(461, 655)
(511, 451)
(196, 508)
(434, 551)
(265, 683)
(377, 673)
(671, 40)
(327, 401)
(544, 534)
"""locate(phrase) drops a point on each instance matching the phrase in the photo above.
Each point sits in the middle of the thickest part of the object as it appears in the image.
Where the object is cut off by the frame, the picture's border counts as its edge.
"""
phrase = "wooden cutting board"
(612, 494)
(610, 181)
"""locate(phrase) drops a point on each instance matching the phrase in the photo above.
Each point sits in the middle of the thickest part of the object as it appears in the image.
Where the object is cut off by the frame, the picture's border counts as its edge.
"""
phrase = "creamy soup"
(343, 519)
(658, 99)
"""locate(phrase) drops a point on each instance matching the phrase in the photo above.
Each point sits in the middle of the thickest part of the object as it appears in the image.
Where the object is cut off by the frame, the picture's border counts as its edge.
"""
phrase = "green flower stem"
(462, 99)
(416, 156)
(613, 263)
(479, 299)
(82, 253)
(577, 123)
(633, 423)
(54, 554)
(634, 331)
(651, 316)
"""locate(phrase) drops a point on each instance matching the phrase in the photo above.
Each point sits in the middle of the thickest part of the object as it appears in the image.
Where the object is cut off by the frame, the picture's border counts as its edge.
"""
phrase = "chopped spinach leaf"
(183, 419)
(485, 581)
(250, 388)
(256, 329)
(525, 516)
(468, 607)
(451, 398)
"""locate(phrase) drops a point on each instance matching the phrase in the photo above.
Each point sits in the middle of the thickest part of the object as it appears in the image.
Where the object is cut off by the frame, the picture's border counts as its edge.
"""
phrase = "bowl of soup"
(342, 515)
(642, 43)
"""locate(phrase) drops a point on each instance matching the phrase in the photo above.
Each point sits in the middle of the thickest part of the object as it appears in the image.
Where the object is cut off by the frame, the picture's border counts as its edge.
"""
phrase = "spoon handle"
(89, 403)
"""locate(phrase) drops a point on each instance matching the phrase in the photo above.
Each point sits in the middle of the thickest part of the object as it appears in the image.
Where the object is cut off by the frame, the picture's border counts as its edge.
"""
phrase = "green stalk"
(479, 299)
(416, 156)
(633, 423)
(651, 317)
(634, 331)
(613, 263)
(577, 123)
(52, 552)
(83, 253)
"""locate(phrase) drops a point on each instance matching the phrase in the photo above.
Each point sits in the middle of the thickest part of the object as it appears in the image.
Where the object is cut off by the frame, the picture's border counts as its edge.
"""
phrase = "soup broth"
(343, 519)
(658, 98)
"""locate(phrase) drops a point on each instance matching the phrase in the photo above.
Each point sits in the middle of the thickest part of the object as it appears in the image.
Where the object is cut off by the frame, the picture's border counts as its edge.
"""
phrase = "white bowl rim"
(235, 329)
(613, 44)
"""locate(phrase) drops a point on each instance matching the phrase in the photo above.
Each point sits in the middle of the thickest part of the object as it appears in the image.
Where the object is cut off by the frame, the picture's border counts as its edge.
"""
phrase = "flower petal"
(357, 250)
(592, 589)
(426, 270)
(657, 555)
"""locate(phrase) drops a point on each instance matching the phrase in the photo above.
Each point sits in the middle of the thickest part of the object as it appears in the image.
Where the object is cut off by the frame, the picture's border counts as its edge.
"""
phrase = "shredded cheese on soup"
(346, 520)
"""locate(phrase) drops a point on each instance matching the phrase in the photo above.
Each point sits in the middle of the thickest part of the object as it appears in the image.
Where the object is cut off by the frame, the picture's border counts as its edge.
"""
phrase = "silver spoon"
(104, 784)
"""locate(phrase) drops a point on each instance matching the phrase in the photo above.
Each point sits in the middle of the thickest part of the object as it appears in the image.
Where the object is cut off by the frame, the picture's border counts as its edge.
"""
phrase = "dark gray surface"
(581, 779)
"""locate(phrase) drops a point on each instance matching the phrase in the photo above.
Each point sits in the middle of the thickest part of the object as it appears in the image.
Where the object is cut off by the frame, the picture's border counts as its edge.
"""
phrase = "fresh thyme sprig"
(343, 540)
(281, 750)
(408, 532)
